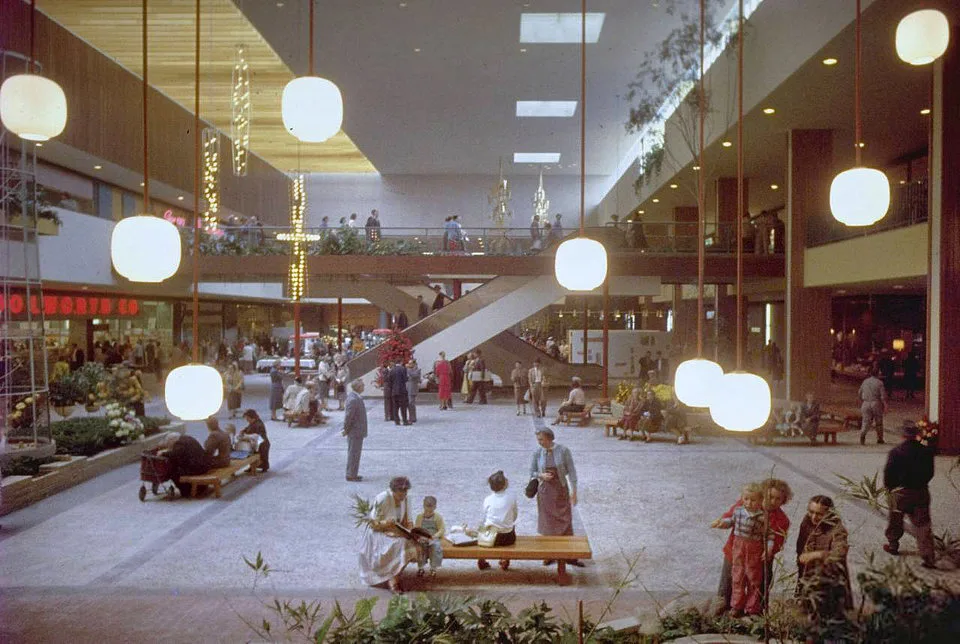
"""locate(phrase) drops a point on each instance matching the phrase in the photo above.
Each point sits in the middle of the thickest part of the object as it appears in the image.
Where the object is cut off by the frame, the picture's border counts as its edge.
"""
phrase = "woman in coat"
(233, 383)
(823, 580)
(444, 374)
(276, 390)
(255, 426)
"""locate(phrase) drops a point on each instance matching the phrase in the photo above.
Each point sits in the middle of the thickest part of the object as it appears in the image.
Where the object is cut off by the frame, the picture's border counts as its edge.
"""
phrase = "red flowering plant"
(927, 432)
(397, 346)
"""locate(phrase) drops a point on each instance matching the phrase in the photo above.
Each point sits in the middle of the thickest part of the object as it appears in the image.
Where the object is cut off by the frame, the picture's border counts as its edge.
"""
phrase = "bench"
(216, 477)
(559, 548)
(784, 424)
(604, 406)
(582, 418)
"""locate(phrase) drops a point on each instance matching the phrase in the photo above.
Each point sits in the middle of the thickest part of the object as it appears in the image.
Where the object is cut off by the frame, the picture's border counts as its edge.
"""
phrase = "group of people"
(401, 384)
(303, 403)
(544, 234)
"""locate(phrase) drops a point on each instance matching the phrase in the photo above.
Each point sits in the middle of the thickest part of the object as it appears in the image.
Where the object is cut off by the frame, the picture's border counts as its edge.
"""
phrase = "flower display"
(124, 423)
(23, 412)
(927, 432)
(395, 347)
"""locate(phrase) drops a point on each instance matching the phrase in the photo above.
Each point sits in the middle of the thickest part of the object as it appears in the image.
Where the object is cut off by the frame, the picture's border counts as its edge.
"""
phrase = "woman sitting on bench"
(651, 416)
(256, 427)
(186, 457)
(576, 401)
(499, 516)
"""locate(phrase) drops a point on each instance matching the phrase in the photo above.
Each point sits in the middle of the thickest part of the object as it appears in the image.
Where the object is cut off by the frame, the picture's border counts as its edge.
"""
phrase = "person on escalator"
(422, 309)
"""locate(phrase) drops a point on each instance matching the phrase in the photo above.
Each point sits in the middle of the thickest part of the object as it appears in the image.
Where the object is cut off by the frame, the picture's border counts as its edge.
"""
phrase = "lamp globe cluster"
(922, 37)
(695, 381)
(740, 402)
(145, 248)
(312, 108)
(33, 107)
(860, 196)
(580, 264)
(194, 391)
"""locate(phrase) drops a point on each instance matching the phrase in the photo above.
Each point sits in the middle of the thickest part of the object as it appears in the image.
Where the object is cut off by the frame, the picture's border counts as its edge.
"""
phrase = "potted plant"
(89, 378)
(64, 394)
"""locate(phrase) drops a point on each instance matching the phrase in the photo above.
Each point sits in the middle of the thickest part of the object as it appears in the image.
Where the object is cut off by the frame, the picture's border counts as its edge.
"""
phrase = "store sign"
(59, 306)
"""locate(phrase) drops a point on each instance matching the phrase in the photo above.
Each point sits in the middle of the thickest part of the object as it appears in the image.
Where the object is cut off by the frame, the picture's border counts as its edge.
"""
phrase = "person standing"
(552, 464)
(233, 383)
(386, 381)
(536, 380)
(355, 429)
(340, 378)
(352, 222)
(906, 476)
(911, 369)
(399, 392)
(823, 579)
(400, 321)
(373, 226)
(276, 389)
(413, 388)
(519, 379)
(478, 378)
(444, 375)
(557, 230)
(536, 241)
(422, 309)
(873, 403)
(438, 300)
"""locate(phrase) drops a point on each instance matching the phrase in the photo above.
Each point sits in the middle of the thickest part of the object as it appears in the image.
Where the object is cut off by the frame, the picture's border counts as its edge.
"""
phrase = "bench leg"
(563, 579)
(193, 490)
(216, 490)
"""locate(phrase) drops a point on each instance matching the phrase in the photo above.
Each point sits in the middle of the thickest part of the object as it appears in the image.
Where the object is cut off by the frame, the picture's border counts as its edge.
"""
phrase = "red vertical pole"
(606, 335)
(586, 328)
(457, 289)
(296, 338)
(340, 324)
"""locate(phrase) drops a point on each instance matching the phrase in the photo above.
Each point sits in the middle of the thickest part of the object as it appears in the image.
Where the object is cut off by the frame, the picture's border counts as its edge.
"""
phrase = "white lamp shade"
(194, 392)
(312, 108)
(741, 402)
(145, 248)
(33, 107)
(860, 196)
(580, 264)
(695, 381)
(923, 36)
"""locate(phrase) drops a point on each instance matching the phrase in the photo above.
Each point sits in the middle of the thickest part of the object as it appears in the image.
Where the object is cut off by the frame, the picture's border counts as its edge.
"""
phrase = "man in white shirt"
(247, 357)
(537, 380)
(576, 401)
(291, 393)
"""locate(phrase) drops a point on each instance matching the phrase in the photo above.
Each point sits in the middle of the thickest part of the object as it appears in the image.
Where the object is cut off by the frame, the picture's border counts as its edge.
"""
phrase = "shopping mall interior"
(314, 189)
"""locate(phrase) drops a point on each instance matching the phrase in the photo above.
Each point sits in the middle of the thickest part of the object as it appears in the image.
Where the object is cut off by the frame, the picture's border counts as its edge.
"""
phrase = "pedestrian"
(276, 390)
(400, 320)
(552, 465)
(233, 384)
(749, 546)
(520, 388)
(537, 381)
(398, 379)
(478, 379)
(355, 429)
(906, 475)
(413, 388)
(444, 374)
(536, 241)
(438, 301)
(823, 579)
(873, 403)
(422, 309)
(372, 226)
(340, 378)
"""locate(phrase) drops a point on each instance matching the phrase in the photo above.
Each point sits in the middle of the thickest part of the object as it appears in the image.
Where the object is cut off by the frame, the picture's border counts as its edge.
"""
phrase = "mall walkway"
(95, 564)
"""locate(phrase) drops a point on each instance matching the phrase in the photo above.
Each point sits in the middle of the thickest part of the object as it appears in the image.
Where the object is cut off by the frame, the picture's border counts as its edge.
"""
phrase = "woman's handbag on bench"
(486, 537)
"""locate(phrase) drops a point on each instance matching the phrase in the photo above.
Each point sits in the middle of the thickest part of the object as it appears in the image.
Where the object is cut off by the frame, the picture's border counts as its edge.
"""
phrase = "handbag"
(486, 537)
(526, 396)
(532, 487)
(477, 376)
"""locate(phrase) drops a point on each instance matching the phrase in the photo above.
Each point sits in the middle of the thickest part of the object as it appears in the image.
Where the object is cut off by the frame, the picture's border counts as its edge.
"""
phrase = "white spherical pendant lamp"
(580, 264)
(860, 196)
(33, 107)
(312, 108)
(741, 402)
(194, 392)
(695, 381)
(145, 248)
(922, 37)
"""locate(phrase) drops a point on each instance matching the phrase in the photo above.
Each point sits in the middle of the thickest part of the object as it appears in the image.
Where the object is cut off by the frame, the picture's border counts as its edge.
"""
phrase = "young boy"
(431, 521)
(748, 550)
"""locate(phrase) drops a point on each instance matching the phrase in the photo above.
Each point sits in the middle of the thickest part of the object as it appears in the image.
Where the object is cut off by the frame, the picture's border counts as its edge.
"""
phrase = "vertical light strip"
(211, 178)
(298, 238)
(242, 112)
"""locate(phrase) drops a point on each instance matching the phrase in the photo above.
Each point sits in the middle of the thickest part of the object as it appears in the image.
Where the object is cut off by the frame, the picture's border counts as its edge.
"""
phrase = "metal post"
(606, 335)
(586, 327)
(340, 324)
(296, 338)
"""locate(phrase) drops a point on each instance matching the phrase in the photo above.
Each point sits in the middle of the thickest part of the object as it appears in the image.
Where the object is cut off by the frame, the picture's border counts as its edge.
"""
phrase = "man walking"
(873, 403)
(373, 226)
(355, 429)
(398, 382)
(422, 309)
(479, 385)
(908, 470)
(536, 379)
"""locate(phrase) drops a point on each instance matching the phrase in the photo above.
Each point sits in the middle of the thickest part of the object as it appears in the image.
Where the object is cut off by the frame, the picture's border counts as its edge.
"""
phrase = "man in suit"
(355, 429)
(536, 378)
(438, 301)
(422, 309)
(479, 386)
(398, 382)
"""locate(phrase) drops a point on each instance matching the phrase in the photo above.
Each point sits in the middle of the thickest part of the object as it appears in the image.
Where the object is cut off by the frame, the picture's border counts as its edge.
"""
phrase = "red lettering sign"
(81, 306)
(16, 304)
(34, 305)
(60, 306)
(50, 305)
(106, 306)
(133, 307)
(122, 306)
(66, 305)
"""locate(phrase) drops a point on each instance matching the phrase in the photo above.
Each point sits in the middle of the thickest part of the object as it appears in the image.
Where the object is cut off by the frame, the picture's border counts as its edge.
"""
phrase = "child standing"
(747, 554)
(431, 521)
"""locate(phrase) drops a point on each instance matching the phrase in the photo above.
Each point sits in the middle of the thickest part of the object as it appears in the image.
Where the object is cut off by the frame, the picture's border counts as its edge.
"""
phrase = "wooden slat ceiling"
(114, 28)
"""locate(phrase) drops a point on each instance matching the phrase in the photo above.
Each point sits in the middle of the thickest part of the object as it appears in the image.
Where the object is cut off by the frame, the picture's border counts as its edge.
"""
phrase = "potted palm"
(89, 378)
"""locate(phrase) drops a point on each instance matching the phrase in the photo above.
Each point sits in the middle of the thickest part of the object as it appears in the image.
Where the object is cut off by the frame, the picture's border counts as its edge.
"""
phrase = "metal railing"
(908, 206)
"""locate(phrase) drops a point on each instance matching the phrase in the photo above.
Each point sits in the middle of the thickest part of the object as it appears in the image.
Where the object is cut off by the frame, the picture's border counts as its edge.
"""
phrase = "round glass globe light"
(741, 402)
(859, 196)
(33, 107)
(194, 392)
(145, 248)
(695, 381)
(312, 108)
(580, 264)
(922, 37)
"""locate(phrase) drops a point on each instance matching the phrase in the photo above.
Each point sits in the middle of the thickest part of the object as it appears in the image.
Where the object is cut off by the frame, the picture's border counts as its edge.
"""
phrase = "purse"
(486, 537)
(476, 376)
(532, 487)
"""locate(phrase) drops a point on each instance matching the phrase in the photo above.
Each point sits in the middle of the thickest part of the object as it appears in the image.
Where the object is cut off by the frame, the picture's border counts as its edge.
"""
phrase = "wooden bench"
(582, 418)
(604, 406)
(216, 477)
(561, 549)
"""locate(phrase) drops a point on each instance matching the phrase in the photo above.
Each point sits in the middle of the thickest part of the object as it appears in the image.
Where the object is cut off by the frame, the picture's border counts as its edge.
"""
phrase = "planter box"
(21, 491)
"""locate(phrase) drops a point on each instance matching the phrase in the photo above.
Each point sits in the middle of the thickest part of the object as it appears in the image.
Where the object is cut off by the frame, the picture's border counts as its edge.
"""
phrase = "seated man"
(631, 411)
(675, 420)
(810, 417)
(576, 401)
(186, 458)
(218, 444)
(290, 395)
(306, 408)
(651, 416)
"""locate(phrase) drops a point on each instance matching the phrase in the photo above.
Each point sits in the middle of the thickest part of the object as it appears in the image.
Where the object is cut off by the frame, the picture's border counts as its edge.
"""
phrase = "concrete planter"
(21, 491)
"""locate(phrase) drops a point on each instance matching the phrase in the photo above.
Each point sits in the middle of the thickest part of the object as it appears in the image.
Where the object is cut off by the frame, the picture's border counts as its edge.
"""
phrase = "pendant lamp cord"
(740, 192)
(33, 38)
(856, 91)
(312, 3)
(701, 214)
(196, 187)
(146, 109)
(583, 113)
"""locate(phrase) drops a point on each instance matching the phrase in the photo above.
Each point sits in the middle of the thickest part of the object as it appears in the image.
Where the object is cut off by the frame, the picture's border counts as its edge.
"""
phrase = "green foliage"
(84, 436)
(650, 165)
(66, 391)
(152, 424)
(947, 547)
(868, 489)
(360, 511)
(88, 379)
(25, 465)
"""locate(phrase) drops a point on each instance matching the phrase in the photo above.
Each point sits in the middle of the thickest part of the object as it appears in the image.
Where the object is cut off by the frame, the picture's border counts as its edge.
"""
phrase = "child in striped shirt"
(749, 547)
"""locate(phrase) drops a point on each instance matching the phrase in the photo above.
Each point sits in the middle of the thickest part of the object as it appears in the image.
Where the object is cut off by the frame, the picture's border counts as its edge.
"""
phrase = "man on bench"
(576, 401)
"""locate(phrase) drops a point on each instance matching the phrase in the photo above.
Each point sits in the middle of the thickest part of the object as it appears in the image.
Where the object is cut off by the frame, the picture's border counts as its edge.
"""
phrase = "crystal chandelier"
(541, 205)
(242, 112)
(211, 178)
(500, 199)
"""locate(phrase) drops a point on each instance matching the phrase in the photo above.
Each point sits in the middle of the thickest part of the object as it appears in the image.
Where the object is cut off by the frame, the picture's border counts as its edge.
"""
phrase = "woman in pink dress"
(443, 373)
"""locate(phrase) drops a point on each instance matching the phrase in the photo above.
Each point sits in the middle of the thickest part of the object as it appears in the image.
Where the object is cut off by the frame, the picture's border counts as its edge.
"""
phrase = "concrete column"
(727, 210)
(808, 313)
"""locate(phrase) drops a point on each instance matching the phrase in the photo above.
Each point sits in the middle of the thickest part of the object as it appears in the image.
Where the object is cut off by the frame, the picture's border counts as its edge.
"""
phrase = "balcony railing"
(908, 206)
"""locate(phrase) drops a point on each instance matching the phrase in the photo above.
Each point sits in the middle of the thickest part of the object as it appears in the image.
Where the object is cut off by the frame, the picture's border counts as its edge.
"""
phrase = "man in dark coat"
(186, 458)
(908, 470)
(386, 378)
(422, 309)
(398, 382)
(355, 429)
(400, 321)
(438, 300)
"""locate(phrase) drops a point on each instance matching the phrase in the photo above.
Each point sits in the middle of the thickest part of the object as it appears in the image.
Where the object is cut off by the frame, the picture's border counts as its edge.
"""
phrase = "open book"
(461, 539)
(414, 534)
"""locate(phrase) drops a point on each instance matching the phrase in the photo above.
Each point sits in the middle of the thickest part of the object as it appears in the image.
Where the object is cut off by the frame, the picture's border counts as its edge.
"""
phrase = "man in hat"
(908, 470)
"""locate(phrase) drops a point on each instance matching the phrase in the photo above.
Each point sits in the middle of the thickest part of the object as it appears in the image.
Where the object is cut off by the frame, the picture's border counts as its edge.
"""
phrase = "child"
(431, 521)
(748, 549)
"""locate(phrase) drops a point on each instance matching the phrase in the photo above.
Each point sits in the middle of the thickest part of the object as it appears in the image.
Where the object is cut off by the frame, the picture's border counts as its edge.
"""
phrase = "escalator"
(505, 348)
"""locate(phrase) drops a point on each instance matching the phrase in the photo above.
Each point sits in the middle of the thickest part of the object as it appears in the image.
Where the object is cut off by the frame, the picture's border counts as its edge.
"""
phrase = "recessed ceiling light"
(726, 144)
(898, 286)
(39, 145)
(674, 186)
(559, 27)
(925, 111)
(403, 5)
(829, 61)
(523, 50)
(546, 108)
(903, 181)
(774, 186)
(769, 110)
(656, 201)
(98, 167)
(841, 291)
(180, 198)
(536, 157)
(279, 4)
(416, 50)
(640, 212)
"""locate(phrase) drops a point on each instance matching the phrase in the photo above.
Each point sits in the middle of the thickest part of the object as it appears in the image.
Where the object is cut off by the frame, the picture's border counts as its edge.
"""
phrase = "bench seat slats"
(526, 547)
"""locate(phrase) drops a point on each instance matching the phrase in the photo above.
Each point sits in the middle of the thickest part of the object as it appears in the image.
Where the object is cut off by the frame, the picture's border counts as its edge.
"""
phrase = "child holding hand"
(431, 521)
(748, 551)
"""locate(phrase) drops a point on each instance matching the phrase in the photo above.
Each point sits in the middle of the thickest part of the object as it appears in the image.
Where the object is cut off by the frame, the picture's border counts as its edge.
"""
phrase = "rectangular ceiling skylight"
(559, 27)
(536, 157)
(546, 108)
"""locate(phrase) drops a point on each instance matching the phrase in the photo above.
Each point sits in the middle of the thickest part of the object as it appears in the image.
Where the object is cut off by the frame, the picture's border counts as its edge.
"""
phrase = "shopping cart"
(155, 469)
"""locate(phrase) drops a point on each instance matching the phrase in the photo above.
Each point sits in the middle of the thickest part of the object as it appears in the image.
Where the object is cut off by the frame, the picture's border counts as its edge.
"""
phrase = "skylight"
(546, 108)
(559, 27)
(536, 157)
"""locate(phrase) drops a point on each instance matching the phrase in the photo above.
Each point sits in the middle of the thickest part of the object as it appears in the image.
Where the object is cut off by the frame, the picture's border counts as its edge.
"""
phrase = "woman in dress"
(467, 369)
(255, 426)
(444, 374)
(276, 390)
(384, 551)
(519, 379)
(233, 383)
(552, 464)
(340, 379)
(823, 580)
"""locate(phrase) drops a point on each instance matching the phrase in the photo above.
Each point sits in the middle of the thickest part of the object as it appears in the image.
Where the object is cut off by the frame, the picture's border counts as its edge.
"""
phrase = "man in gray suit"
(355, 429)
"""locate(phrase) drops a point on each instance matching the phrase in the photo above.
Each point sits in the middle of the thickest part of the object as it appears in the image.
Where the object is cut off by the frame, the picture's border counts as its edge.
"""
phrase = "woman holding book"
(384, 549)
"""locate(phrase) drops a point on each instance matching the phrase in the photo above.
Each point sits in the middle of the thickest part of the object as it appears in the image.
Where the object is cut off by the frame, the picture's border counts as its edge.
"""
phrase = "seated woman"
(651, 416)
(810, 417)
(631, 412)
(675, 420)
(186, 457)
(823, 580)
(218, 444)
(499, 516)
(576, 401)
(304, 407)
(384, 550)
(255, 427)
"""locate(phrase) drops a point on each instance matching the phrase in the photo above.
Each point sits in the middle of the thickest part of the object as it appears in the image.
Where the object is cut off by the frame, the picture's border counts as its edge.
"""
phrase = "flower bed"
(90, 435)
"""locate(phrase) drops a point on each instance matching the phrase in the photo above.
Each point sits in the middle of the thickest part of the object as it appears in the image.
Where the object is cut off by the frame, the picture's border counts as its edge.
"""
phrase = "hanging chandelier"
(541, 205)
(499, 198)
(242, 112)
(211, 178)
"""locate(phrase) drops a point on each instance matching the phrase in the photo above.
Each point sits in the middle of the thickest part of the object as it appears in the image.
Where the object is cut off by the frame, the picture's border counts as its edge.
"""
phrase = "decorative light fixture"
(242, 118)
(741, 401)
(899, 344)
(499, 198)
(581, 263)
(145, 248)
(211, 178)
(694, 381)
(195, 391)
(922, 37)
(541, 205)
(859, 196)
(31, 106)
(312, 107)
